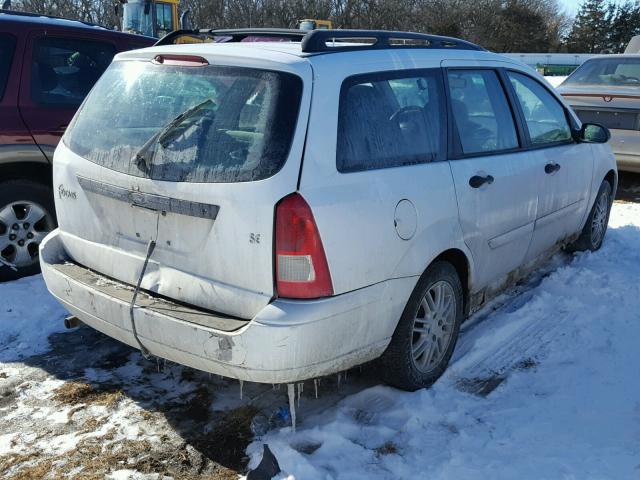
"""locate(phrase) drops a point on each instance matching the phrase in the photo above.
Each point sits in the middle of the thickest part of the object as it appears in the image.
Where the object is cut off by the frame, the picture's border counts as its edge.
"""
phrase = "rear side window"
(188, 124)
(481, 113)
(545, 118)
(389, 120)
(63, 70)
(7, 46)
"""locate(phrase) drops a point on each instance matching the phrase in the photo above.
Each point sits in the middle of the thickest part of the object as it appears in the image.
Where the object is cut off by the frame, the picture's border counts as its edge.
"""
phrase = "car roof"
(24, 18)
(613, 55)
(291, 52)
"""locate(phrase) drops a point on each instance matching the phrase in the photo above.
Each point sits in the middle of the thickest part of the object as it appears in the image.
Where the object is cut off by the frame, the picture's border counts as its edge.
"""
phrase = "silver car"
(606, 90)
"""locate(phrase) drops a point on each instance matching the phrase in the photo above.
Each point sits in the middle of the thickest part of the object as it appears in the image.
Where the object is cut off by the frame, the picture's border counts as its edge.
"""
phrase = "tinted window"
(615, 71)
(188, 124)
(390, 120)
(543, 114)
(481, 112)
(7, 45)
(64, 69)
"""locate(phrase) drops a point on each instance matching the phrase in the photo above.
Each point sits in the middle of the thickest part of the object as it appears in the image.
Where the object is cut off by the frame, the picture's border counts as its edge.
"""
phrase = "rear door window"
(63, 70)
(7, 47)
(481, 113)
(389, 120)
(188, 124)
(544, 115)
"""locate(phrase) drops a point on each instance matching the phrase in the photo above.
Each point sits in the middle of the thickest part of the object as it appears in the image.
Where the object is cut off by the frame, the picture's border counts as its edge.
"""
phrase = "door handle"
(477, 181)
(551, 168)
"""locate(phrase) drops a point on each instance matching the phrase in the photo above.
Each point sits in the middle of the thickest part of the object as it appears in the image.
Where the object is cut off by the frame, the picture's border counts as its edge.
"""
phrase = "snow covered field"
(544, 383)
(555, 81)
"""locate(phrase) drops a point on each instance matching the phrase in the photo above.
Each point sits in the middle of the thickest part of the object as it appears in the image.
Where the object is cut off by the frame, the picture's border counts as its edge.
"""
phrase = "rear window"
(188, 124)
(615, 71)
(7, 45)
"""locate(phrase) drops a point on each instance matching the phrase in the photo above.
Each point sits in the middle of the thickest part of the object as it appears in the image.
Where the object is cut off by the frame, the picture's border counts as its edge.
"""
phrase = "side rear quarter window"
(390, 119)
(481, 113)
(544, 116)
(7, 47)
(63, 70)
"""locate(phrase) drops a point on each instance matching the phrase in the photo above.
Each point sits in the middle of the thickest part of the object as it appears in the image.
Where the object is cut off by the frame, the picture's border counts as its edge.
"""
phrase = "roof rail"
(53, 17)
(234, 34)
(316, 41)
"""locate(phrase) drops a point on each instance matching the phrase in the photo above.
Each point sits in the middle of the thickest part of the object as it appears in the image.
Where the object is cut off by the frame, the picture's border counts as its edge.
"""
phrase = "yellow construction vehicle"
(151, 18)
(311, 24)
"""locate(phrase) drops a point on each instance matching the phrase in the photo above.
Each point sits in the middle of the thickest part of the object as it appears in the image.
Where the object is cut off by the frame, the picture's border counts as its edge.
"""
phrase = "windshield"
(307, 25)
(188, 124)
(135, 20)
(617, 71)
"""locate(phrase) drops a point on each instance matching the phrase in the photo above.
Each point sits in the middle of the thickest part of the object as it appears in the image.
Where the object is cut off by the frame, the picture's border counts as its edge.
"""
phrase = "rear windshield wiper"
(167, 133)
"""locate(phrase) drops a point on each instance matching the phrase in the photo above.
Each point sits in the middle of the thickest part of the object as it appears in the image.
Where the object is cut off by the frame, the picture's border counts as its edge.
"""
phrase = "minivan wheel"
(426, 335)
(26, 217)
(595, 228)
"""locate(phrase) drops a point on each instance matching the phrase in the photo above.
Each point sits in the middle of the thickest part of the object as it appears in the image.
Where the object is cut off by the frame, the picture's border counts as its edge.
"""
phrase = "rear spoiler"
(207, 35)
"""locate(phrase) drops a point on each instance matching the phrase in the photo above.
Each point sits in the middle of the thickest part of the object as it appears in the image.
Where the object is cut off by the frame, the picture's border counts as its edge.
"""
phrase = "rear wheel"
(26, 217)
(427, 332)
(595, 229)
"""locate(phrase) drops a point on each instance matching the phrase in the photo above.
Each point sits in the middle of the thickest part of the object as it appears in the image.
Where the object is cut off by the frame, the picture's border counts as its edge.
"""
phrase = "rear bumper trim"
(123, 292)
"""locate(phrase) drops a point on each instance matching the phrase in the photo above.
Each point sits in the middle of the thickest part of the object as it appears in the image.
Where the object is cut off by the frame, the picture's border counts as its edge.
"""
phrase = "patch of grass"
(227, 443)
(72, 393)
(389, 448)
(481, 386)
(527, 364)
(23, 467)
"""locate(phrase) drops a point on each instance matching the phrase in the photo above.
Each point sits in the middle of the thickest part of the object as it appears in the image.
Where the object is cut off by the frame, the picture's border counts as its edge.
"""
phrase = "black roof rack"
(235, 34)
(316, 41)
(324, 41)
(52, 17)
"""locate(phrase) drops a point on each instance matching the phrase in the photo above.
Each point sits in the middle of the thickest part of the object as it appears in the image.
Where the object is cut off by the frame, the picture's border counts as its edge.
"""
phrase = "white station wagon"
(278, 211)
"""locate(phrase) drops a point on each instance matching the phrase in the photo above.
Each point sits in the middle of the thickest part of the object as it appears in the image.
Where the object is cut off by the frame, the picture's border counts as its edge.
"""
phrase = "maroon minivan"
(47, 66)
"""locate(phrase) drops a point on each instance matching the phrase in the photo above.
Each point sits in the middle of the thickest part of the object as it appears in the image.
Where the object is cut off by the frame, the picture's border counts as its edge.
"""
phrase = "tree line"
(498, 25)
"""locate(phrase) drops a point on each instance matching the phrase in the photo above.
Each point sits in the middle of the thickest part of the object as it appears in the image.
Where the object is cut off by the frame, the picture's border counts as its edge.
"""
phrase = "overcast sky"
(571, 6)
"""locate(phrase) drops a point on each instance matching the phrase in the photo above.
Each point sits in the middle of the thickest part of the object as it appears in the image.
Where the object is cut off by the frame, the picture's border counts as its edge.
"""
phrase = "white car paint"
(374, 263)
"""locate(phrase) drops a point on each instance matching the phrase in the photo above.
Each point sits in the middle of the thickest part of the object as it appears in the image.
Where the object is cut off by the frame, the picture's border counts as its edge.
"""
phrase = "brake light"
(301, 264)
(180, 60)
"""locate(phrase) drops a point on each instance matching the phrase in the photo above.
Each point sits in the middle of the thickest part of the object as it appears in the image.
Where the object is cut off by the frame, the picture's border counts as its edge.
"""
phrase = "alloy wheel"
(23, 225)
(433, 326)
(599, 220)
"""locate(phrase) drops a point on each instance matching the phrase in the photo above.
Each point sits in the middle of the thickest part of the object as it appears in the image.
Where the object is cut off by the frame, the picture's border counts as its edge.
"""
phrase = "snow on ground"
(546, 387)
(28, 315)
(543, 384)
(555, 81)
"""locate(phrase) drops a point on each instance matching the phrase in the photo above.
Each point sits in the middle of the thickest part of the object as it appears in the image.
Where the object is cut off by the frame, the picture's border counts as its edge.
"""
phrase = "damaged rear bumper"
(287, 341)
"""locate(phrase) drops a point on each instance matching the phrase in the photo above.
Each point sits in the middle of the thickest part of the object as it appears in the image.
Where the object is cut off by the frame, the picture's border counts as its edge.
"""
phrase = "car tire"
(595, 228)
(427, 332)
(21, 201)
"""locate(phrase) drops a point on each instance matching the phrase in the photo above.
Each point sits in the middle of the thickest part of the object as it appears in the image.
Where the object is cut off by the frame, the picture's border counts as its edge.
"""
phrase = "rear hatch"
(191, 151)
(614, 107)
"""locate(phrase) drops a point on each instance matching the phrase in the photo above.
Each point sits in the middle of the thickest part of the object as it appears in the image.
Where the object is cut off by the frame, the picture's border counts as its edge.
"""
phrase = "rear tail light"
(301, 265)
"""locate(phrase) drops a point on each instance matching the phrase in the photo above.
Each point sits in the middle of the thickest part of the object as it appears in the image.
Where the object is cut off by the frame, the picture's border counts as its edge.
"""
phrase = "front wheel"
(426, 335)
(595, 229)
(26, 217)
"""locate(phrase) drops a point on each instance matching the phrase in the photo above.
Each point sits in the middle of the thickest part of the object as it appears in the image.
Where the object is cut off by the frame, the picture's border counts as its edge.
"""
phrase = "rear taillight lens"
(301, 265)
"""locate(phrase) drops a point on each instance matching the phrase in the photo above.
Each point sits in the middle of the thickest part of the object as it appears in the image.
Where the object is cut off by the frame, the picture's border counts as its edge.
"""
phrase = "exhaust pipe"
(72, 322)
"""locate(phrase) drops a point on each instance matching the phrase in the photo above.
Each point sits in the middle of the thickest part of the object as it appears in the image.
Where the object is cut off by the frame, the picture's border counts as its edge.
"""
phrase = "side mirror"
(593, 133)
